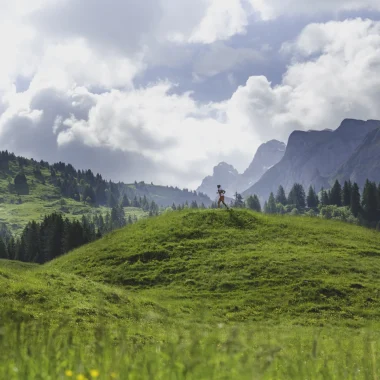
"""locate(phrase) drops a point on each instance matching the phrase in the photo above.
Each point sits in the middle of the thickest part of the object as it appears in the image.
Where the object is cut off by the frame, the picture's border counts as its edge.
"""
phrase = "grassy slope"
(232, 293)
(247, 266)
(29, 292)
(43, 199)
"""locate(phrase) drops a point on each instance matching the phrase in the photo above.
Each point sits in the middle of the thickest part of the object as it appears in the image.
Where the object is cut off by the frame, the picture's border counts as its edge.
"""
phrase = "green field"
(205, 294)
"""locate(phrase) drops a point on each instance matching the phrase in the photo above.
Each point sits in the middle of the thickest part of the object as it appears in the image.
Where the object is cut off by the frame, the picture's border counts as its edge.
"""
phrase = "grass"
(205, 294)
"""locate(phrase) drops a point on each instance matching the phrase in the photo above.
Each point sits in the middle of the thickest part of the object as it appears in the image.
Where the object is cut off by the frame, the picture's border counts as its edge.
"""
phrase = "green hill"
(248, 266)
(200, 295)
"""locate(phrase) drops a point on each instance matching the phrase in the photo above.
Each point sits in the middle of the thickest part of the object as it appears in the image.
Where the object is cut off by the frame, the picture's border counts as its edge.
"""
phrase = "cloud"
(271, 9)
(220, 58)
(223, 19)
(82, 104)
(334, 75)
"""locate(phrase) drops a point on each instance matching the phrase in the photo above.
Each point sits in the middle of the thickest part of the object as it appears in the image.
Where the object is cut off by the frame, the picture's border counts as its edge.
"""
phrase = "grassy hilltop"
(199, 295)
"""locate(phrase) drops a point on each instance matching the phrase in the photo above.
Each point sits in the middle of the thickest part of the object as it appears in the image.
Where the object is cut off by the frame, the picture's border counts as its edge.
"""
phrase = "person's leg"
(219, 203)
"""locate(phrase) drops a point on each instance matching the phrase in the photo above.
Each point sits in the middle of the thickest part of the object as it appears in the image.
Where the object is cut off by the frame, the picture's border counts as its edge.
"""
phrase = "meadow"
(199, 294)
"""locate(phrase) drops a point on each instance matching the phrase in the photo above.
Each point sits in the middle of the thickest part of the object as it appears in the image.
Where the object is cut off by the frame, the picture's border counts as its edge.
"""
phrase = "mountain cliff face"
(267, 155)
(313, 157)
(364, 162)
(223, 174)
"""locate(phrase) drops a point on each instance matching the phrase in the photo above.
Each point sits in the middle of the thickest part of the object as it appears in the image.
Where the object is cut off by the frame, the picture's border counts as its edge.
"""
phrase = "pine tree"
(253, 203)
(281, 197)
(54, 236)
(324, 198)
(271, 205)
(20, 249)
(194, 204)
(101, 224)
(135, 202)
(346, 193)
(3, 250)
(125, 201)
(112, 201)
(296, 196)
(369, 201)
(355, 200)
(312, 198)
(12, 249)
(266, 207)
(33, 252)
(174, 207)
(238, 201)
(336, 194)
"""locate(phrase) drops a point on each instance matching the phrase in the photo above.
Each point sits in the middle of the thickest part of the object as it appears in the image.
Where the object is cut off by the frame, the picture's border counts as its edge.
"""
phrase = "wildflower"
(81, 377)
(114, 375)
(68, 373)
(94, 373)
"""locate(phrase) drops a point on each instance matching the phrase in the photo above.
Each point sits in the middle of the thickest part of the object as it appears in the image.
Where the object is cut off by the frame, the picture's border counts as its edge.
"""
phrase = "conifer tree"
(3, 250)
(324, 197)
(296, 196)
(281, 197)
(20, 249)
(12, 249)
(238, 201)
(253, 203)
(369, 201)
(125, 201)
(194, 204)
(33, 252)
(355, 200)
(271, 205)
(312, 198)
(336, 194)
(346, 193)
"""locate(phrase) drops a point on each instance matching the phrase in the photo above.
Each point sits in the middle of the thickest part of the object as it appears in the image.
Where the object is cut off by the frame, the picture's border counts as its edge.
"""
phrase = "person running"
(221, 193)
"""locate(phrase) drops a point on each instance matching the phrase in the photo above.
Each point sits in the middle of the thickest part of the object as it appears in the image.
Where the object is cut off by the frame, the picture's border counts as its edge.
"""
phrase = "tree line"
(340, 202)
(56, 235)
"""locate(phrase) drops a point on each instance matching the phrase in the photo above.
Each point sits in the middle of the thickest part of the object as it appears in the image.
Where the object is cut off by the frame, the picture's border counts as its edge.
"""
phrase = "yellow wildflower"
(68, 373)
(94, 373)
(114, 375)
(81, 377)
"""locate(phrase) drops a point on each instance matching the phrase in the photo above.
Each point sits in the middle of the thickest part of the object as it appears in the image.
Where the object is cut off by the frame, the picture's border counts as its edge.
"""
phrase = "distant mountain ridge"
(317, 157)
(267, 155)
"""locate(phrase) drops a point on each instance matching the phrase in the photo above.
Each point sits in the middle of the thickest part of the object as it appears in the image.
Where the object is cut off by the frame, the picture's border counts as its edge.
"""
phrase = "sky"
(163, 90)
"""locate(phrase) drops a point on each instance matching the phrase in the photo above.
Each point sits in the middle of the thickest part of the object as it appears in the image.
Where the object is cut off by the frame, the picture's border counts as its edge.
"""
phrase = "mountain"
(364, 162)
(267, 155)
(223, 174)
(313, 157)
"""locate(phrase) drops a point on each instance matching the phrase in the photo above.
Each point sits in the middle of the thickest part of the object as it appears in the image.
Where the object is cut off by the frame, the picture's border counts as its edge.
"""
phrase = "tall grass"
(32, 351)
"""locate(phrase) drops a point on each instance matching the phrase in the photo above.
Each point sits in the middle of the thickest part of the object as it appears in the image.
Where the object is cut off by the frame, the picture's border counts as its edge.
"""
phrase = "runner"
(221, 193)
